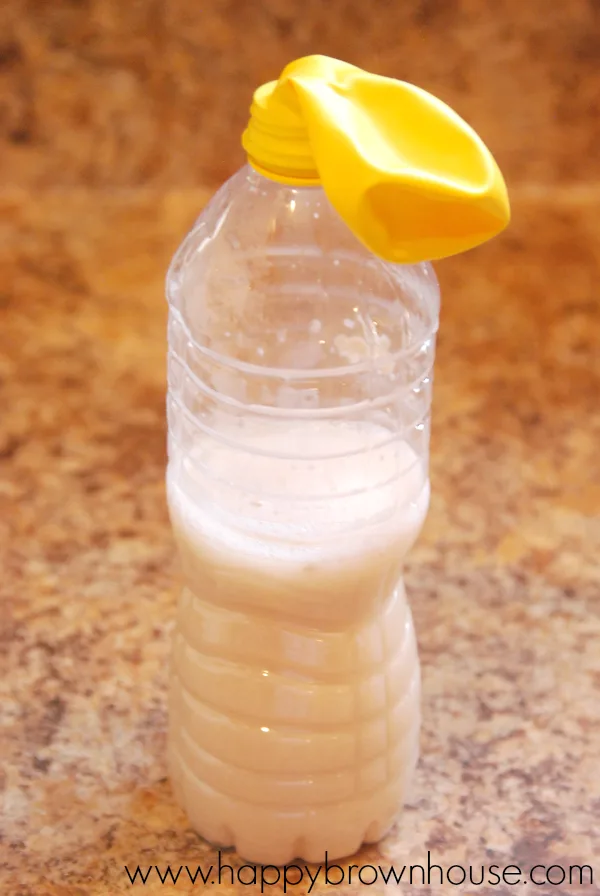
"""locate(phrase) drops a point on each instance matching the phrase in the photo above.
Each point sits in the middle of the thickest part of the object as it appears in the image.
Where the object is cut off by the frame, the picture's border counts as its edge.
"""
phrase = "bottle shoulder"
(270, 273)
(250, 214)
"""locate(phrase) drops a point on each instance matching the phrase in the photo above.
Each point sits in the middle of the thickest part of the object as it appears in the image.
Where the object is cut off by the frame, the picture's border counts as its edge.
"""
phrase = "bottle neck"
(277, 146)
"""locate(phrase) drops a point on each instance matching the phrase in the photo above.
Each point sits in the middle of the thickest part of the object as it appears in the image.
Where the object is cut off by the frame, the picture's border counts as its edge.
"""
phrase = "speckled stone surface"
(504, 582)
(115, 92)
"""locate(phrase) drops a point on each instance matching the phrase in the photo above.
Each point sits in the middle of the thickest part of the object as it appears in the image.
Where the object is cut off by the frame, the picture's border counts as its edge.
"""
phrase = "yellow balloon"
(410, 178)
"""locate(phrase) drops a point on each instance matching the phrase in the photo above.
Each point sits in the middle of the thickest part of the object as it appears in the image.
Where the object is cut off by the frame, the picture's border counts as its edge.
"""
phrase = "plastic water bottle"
(300, 375)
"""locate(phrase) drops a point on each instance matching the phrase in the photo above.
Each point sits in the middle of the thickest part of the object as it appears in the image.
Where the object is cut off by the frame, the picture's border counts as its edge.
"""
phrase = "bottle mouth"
(278, 147)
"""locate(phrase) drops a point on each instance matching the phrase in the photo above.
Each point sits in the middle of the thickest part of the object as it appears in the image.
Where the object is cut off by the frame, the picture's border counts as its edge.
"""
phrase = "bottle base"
(264, 837)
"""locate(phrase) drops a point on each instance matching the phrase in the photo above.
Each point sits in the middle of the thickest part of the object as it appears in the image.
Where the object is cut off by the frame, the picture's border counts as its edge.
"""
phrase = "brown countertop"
(504, 581)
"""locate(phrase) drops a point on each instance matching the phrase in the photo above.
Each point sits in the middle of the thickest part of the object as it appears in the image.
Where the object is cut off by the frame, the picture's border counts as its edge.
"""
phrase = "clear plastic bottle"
(300, 376)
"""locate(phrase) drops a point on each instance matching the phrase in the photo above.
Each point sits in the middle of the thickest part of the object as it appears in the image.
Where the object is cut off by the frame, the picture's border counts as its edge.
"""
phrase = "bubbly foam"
(297, 491)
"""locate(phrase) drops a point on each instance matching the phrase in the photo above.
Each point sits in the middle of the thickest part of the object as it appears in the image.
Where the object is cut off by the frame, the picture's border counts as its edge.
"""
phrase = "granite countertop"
(504, 581)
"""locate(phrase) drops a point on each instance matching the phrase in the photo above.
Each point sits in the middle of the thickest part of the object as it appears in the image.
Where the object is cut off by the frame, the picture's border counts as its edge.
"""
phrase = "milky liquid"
(294, 705)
